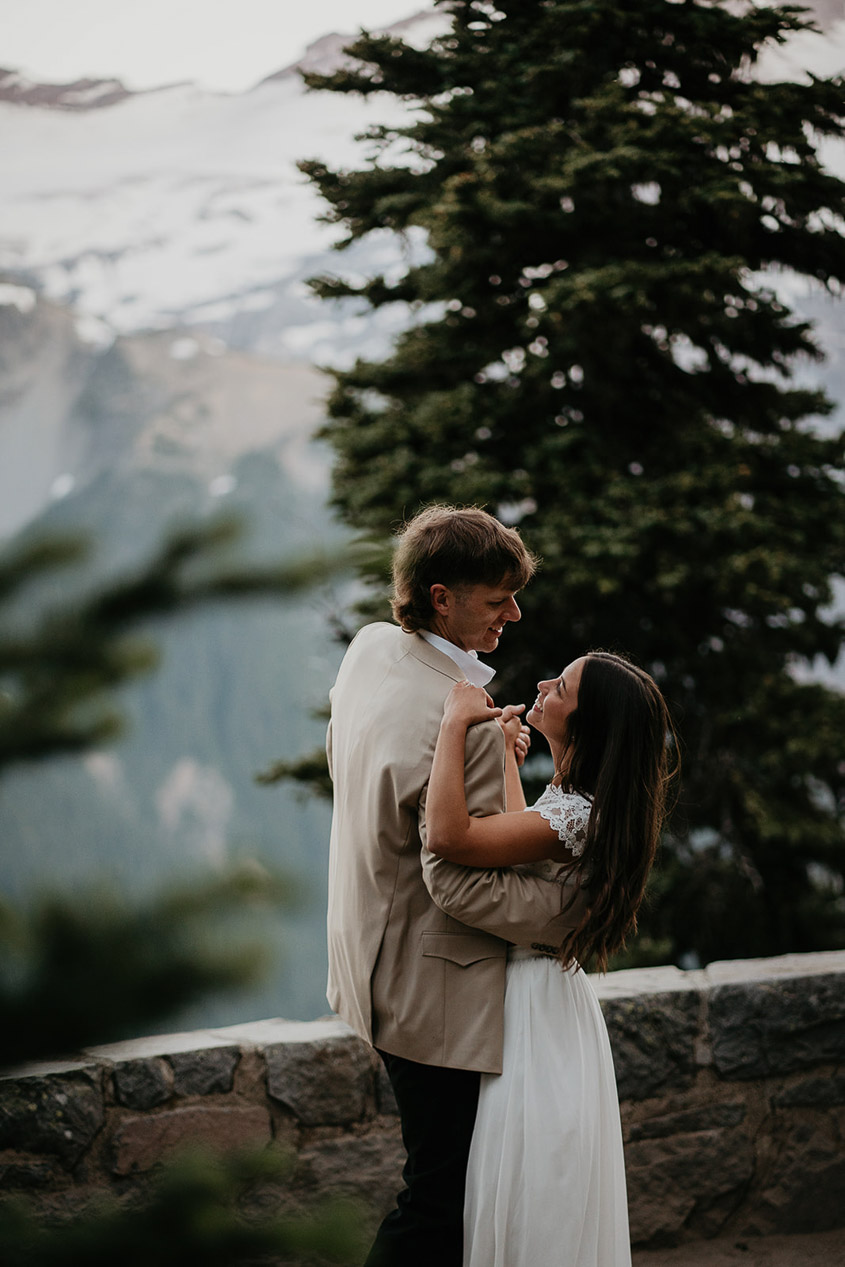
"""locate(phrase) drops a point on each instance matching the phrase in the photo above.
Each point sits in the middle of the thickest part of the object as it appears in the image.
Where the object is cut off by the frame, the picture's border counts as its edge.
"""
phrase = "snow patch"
(20, 297)
(107, 771)
(184, 349)
(94, 331)
(195, 802)
(143, 215)
(61, 486)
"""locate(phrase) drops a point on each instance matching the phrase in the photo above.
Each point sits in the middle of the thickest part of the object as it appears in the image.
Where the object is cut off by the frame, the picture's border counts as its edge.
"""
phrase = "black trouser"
(437, 1110)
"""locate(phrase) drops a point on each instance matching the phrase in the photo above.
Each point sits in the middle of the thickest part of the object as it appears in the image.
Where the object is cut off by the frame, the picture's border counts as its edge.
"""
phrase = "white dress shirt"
(467, 661)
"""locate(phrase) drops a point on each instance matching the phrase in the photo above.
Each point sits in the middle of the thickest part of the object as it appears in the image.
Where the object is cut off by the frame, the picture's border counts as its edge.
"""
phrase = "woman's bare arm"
(500, 840)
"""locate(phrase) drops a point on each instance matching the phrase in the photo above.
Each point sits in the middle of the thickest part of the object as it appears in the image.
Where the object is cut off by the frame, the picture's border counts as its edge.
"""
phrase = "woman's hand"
(467, 704)
(517, 736)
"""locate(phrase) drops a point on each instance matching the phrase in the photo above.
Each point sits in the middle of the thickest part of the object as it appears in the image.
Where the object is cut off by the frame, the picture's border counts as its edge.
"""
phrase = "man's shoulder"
(384, 656)
(392, 650)
(376, 648)
(377, 630)
(380, 638)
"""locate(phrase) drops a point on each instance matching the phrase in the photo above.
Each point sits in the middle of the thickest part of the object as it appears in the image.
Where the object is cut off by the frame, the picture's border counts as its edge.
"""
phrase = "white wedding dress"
(546, 1173)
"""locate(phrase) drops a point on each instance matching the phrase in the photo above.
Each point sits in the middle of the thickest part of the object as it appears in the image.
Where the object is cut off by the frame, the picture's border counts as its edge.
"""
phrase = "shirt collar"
(467, 661)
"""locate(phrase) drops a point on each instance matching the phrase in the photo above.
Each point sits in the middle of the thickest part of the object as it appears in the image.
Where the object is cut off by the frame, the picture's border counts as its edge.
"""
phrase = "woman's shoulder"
(568, 813)
(554, 794)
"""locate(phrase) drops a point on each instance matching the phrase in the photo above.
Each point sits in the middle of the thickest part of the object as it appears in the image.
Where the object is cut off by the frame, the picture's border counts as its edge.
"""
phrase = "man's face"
(473, 616)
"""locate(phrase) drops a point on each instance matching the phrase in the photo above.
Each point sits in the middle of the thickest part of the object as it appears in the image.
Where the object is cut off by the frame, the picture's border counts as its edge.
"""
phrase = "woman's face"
(556, 699)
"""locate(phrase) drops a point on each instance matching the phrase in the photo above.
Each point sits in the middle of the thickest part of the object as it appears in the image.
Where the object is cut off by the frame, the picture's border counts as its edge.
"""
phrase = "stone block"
(818, 963)
(653, 1040)
(142, 1142)
(204, 1072)
(327, 1082)
(706, 1117)
(141, 1084)
(802, 1181)
(763, 1028)
(626, 983)
(21, 1172)
(157, 1045)
(677, 1180)
(58, 1114)
(278, 1030)
(812, 1093)
(366, 1167)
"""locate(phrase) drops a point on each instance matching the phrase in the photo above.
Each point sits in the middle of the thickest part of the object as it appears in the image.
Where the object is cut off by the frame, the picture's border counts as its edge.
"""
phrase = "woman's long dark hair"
(617, 751)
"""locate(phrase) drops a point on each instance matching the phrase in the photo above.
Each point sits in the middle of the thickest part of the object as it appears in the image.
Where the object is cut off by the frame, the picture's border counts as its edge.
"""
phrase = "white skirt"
(546, 1174)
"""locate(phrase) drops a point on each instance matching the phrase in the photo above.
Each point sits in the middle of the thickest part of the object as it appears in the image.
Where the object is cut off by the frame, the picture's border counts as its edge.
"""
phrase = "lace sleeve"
(569, 814)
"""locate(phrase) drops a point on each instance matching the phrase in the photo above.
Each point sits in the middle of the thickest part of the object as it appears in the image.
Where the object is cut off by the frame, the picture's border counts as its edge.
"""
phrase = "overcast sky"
(226, 44)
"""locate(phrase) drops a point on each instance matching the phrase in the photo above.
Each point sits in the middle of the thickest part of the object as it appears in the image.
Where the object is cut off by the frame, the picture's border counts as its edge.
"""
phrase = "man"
(426, 988)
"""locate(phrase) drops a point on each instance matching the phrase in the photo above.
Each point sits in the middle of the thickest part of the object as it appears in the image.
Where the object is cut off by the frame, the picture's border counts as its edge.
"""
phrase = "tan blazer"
(419, 979)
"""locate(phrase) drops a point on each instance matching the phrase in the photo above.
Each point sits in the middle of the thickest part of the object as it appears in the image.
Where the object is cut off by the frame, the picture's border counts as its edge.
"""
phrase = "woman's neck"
(561, 757)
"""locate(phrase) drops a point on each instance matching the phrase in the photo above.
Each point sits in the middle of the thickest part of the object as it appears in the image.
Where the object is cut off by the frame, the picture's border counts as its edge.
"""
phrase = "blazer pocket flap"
(462, 948)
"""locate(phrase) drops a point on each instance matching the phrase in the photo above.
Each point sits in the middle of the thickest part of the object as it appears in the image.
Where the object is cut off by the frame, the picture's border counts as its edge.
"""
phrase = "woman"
(546, 1177)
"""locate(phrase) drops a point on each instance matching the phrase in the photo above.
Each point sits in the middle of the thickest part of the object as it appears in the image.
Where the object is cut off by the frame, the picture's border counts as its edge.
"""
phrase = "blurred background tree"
(600, 353)
(95, 968)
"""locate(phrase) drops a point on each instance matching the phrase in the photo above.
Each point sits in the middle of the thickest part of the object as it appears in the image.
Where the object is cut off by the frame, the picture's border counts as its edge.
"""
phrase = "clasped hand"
(467, 704)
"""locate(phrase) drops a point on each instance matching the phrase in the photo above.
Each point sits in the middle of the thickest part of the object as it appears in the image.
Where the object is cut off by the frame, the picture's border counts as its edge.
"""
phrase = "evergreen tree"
(599, 352)
(81, 970)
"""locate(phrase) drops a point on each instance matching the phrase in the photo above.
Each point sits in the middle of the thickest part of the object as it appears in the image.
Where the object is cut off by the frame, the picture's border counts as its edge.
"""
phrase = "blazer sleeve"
(515, 905)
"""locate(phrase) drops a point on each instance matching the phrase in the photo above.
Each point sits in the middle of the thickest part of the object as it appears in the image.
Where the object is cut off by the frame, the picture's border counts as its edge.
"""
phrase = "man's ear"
(441, 599)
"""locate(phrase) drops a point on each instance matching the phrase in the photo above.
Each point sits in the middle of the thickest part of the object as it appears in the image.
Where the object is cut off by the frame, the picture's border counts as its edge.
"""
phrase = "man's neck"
(441, 630)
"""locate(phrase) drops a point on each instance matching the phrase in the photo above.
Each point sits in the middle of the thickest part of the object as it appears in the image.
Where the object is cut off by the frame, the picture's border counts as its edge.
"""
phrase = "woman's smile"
(556, 700)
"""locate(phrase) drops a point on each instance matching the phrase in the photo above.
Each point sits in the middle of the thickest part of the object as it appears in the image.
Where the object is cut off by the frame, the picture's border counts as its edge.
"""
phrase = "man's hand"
(517, 736)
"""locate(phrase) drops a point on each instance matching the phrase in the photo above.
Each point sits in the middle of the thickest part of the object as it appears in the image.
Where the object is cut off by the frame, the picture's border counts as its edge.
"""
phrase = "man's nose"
(512, 611)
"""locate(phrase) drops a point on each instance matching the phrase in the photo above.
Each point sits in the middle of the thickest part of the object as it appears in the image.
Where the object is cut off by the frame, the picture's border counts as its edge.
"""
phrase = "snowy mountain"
(82, 94)
(182, 206)
(155, 366)
(175, 210)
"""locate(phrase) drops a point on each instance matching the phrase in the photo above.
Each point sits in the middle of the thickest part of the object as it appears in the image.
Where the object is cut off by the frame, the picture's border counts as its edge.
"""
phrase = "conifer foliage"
(76, 970)
(598, 351)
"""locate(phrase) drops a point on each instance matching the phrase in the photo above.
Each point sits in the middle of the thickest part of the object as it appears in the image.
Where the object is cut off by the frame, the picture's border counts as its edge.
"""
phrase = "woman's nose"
(512, 611)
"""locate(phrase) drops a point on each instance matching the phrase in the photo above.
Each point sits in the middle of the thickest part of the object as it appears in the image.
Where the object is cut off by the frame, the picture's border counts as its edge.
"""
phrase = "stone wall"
(731, 1082)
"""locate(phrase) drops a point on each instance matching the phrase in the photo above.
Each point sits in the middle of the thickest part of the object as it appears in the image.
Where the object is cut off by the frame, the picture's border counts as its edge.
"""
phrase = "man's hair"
(453, 546)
